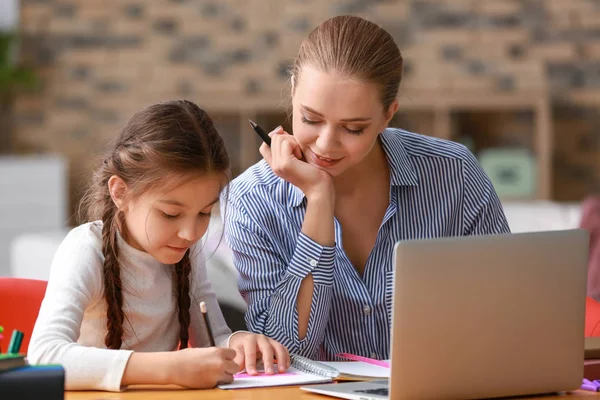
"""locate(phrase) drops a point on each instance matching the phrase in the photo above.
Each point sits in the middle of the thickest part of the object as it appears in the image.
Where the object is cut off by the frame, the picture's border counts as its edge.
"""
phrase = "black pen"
(203, 310)
(263, 135)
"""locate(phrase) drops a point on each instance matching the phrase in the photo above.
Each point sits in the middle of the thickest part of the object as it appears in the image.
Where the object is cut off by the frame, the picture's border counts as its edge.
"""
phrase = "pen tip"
(252, 123)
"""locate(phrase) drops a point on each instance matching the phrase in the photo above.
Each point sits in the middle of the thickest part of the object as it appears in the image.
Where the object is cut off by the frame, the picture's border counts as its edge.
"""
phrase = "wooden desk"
(287, 393)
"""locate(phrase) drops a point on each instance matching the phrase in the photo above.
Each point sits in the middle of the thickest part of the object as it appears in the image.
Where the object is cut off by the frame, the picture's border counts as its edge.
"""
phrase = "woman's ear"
(118, 191)
(389, 114)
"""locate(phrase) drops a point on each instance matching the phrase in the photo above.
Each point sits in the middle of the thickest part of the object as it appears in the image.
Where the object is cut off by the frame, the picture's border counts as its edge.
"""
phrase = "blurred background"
(517, 81)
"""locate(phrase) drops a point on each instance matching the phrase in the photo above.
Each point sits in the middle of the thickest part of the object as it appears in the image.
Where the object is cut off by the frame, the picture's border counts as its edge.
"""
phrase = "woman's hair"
(162, 140)
(355, 48)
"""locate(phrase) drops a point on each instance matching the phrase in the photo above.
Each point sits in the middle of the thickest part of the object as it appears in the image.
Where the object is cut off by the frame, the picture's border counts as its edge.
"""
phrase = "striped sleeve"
(269, 281)
(482, 210)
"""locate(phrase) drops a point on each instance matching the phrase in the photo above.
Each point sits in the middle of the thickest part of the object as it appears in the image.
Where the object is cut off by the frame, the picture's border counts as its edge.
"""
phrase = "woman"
(312, 226)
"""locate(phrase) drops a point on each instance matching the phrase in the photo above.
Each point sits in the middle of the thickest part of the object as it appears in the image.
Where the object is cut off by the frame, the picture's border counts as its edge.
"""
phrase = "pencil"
(204, 312)
(263, 135)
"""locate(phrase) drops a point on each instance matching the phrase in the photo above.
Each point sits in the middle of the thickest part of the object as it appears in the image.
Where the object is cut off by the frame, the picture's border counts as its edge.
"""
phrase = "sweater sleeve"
(75, 283)
(201, 290)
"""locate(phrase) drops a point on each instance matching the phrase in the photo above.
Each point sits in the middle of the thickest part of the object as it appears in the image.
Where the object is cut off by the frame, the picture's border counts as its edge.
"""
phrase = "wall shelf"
(427, 113)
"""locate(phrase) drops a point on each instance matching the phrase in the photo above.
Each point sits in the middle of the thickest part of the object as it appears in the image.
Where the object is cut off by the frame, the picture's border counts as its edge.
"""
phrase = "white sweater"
(71, 325)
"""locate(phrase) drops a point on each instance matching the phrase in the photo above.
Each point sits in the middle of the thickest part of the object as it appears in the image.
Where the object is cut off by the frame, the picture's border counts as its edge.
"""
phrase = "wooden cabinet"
(431, 114)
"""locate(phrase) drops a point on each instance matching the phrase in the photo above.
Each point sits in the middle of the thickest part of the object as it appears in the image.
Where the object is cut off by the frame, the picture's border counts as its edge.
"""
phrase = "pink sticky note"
(372, 361)
(261, 375)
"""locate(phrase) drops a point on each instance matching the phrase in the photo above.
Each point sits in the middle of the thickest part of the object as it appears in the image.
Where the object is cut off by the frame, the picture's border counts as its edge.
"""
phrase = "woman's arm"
(288, 295)
(482, 210)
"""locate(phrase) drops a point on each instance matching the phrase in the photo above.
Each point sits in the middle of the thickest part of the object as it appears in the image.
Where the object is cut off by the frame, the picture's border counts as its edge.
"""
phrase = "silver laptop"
(484, 316)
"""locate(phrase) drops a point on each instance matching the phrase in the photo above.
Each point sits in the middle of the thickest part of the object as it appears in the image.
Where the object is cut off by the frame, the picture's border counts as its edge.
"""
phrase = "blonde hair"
(355, 48)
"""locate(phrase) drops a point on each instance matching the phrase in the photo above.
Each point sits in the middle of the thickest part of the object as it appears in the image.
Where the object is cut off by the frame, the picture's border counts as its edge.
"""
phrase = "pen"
(207, 323)
(15, 342)
(263, 135)
(592, 386)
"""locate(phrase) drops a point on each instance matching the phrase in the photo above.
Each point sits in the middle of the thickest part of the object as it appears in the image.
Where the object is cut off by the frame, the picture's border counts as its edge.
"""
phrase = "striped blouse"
(437, 189)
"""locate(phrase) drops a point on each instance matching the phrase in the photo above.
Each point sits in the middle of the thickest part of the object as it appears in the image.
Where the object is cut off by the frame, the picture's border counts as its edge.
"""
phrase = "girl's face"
(166, 224)
(336, 120)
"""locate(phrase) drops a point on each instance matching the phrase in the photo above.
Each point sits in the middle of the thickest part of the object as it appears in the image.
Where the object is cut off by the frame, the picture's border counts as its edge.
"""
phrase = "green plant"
(14, 77)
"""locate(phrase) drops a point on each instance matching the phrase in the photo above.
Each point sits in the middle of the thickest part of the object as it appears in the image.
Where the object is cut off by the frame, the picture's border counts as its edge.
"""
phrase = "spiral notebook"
(305, 371)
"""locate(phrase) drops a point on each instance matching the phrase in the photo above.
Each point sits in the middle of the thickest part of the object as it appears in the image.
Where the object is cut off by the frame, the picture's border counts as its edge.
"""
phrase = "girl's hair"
(356, 48)
(162, 140)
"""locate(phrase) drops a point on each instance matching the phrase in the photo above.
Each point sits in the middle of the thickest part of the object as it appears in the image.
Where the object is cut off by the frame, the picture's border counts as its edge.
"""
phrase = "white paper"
(291, 377)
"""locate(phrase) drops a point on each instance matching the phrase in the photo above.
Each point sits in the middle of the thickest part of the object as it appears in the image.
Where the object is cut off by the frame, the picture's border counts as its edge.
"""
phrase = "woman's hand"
(250, 347)
(286, 160)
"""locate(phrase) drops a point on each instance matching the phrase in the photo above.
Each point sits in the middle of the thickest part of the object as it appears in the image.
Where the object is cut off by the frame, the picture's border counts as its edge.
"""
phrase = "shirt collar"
(402, 171)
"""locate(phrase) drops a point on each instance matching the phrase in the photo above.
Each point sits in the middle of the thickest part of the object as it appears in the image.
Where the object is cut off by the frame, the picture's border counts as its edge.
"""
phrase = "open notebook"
(305, 371)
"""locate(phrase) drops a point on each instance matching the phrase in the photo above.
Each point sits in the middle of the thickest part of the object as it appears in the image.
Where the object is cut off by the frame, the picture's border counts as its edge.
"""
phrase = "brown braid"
(181, 281)
(113, 292)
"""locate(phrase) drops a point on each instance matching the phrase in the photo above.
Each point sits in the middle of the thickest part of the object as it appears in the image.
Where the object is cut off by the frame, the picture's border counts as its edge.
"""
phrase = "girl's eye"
(204, 215)
(169, 216)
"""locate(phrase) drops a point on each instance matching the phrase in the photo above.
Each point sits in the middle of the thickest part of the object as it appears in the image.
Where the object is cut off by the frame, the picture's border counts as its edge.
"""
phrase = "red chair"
(592, 317)
(20, 301)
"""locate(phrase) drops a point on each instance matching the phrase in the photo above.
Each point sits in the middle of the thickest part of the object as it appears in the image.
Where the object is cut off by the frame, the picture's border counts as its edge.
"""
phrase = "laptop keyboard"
(378, 391)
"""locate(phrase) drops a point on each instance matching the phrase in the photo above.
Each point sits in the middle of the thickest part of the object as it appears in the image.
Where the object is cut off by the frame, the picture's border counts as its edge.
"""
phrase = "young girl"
(125, 288)
(313, 226)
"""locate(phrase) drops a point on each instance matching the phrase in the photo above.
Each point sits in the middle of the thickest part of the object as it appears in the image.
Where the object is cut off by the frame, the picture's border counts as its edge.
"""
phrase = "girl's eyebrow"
(173, 202)
(180, 204)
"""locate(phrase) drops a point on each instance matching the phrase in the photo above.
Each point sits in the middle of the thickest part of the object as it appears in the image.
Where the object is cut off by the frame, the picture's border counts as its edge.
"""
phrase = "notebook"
(305, 371)
(10, 361)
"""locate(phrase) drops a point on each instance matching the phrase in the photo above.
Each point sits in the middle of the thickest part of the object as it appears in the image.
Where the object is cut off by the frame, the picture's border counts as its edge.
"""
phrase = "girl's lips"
(178, 249)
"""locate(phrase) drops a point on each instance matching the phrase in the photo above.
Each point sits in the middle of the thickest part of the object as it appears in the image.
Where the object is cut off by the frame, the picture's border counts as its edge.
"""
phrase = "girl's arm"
(75, 283)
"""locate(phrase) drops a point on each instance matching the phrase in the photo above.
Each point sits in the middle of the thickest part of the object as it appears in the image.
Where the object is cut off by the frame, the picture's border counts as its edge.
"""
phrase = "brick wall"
(101, 60)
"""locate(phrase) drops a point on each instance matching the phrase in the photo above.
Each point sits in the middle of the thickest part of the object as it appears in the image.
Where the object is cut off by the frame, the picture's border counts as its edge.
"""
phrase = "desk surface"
(287, 393)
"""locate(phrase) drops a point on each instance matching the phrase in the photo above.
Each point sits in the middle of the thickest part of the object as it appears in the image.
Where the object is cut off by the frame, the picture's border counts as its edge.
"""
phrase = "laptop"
(483, 316)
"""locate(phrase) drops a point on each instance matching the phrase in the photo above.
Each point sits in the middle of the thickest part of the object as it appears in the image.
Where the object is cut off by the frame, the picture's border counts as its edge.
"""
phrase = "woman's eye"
(308, 121)
(353, 131)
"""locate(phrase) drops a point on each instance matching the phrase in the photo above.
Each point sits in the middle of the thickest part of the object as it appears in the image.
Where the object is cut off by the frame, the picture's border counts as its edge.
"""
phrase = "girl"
(124, 288)
(312, 227)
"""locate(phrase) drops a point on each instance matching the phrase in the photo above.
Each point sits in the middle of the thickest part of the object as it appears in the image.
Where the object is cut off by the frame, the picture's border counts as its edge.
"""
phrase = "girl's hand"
(286, 160)
(202, 368)
(250, 347)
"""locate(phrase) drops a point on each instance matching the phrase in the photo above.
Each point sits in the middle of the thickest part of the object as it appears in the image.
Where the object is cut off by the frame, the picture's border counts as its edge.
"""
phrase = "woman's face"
(336, 120)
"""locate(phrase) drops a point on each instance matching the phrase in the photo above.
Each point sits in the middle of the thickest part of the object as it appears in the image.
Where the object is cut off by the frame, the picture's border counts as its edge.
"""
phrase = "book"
(305, 371)
(33, 382)
(358, 371)
(11, 361)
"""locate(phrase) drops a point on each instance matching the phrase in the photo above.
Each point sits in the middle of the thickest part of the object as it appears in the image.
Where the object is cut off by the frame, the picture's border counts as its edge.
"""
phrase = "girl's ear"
(118, 191)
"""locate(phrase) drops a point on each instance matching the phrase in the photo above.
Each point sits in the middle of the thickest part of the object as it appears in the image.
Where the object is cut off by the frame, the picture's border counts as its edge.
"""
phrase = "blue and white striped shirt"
(437, 189)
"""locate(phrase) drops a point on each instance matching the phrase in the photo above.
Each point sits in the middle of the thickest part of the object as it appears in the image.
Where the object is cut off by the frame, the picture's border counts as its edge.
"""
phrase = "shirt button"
(366, 309)
(313, 263)
(374, 356)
